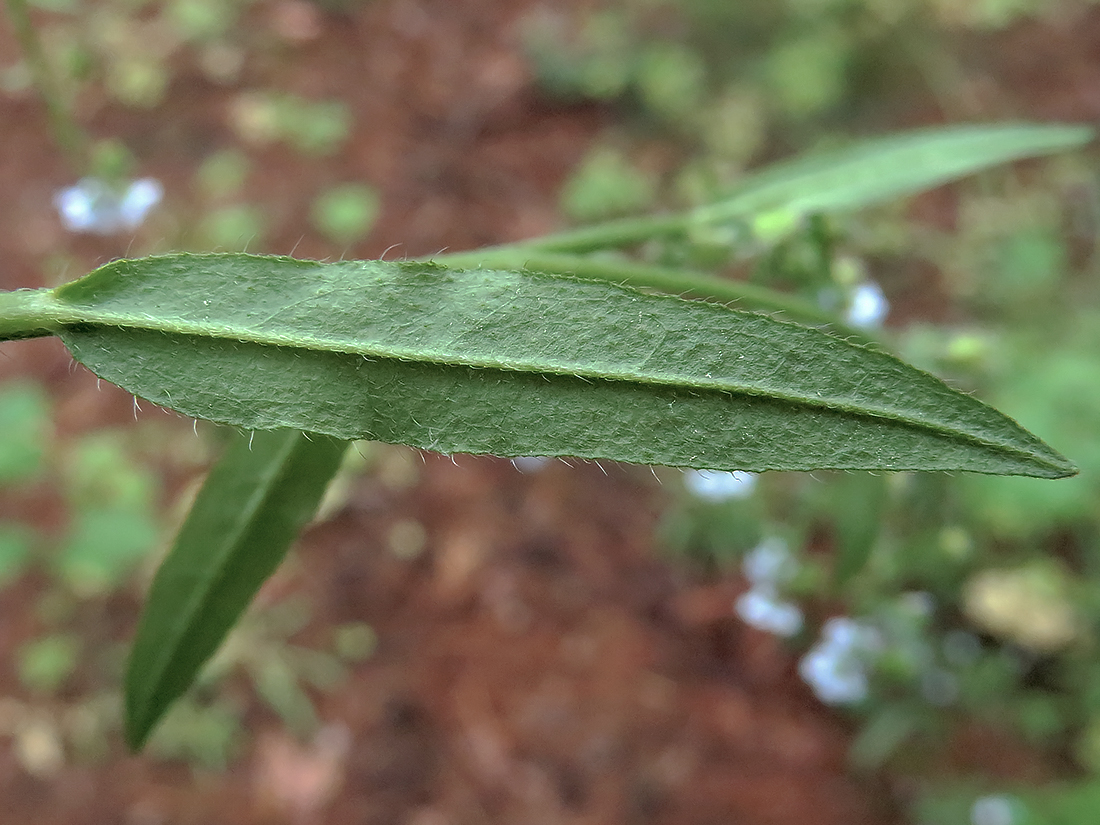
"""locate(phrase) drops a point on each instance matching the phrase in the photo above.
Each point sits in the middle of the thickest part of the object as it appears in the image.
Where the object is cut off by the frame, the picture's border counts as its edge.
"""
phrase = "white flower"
(867, 306)
(849, 634)
(93, 206)
(837, 667)
(769, 564)
(993, 810)
(527, 464)
(719, 485)
(765, 611)
(837, 680)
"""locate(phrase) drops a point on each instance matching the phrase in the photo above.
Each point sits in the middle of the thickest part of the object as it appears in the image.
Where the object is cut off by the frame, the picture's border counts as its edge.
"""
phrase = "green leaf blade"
(881, 169)
(249, 510)
(864, 173)
(520, 363)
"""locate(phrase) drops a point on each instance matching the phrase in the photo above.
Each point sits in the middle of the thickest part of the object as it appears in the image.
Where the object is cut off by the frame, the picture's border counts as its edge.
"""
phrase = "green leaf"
(249, 510)
(863, 174)
(24, 423)
(860, 499)
(881, 169)
(518, 363)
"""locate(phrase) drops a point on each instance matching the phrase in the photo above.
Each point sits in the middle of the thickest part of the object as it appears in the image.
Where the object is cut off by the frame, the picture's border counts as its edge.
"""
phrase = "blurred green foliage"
(345, 213)
(24, 419)
(222, 175)
(46, 663)
(112, 499)
(235, 228)
(204, 735)
(606, 185)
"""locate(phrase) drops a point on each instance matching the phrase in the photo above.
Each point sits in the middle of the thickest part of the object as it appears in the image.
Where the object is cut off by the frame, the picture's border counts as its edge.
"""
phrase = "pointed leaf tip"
(251, 507)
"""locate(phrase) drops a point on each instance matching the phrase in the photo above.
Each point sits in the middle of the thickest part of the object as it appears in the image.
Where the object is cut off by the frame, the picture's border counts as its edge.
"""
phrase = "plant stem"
(69, 136)
(608, 235)
(685, 283)
(27, 313)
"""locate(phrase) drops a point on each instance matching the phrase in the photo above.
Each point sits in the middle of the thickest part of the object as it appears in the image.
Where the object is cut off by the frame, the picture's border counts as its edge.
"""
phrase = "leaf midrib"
(840, 404)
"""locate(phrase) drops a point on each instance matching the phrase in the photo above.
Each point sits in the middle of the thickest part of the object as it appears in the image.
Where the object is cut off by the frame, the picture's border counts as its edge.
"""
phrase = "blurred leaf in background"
(345, 213)
(24, 424)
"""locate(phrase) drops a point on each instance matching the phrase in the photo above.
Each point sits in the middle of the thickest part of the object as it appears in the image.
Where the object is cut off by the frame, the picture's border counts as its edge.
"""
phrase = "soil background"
(539, 662)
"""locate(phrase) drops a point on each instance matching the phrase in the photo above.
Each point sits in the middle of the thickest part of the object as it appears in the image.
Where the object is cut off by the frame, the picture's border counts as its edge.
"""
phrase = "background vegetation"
(917, 605)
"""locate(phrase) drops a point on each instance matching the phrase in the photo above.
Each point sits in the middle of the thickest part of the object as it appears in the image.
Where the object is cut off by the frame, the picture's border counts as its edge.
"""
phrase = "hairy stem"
(608, 235)
(27, 313)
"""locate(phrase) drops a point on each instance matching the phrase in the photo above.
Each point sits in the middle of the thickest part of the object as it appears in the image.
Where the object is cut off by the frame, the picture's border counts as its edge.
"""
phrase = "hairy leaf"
(254, 502)
(517, 363)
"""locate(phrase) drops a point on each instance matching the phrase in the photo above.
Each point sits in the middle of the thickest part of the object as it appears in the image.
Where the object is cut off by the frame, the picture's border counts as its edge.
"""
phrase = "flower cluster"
(768, 566)
(95, 207)
(838, 667)
(897, 645)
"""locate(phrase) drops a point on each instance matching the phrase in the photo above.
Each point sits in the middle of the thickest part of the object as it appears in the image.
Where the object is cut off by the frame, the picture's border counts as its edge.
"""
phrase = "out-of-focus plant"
(344, 214)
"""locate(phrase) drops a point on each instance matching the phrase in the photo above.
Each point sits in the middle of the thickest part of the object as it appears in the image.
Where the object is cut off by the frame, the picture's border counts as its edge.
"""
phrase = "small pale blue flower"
(94, 207)
(867, 307)
(769, 564)
(719, 485)
(836, 679)
(140, 198)
(837, 667)
(765, 611)
(994, 810)
(849, 635)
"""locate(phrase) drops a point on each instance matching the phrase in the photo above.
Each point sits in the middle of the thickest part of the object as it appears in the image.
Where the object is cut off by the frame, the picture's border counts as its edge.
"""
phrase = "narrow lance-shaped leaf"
(862, 174)
(254, 502)
(884, 168)
(517, 363)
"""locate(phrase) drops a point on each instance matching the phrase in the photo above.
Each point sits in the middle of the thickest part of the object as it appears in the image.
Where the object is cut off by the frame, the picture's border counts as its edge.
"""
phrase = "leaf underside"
(252, 505)
(519, 363)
